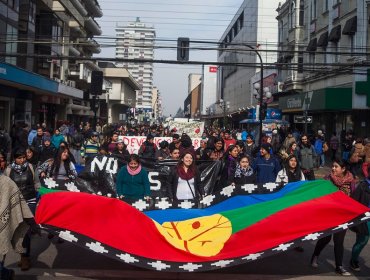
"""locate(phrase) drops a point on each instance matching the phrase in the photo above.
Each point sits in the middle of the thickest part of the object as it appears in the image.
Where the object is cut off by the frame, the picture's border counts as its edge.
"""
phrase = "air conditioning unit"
(280, 87)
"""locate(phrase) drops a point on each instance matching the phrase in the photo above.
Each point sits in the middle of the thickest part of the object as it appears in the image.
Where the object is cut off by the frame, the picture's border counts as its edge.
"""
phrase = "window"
(313, 10)
(325, 56)
(352, 44)
(292, 16)
(326, 5)
(335, 51)
(312, 60)
(301, 13)
(11, 45)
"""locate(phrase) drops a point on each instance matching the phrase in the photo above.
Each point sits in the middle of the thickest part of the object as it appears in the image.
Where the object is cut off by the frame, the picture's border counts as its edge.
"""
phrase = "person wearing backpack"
(148, 148)
(23, 174)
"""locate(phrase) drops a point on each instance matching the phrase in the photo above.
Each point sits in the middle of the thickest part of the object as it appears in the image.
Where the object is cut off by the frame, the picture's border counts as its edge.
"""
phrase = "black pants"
(338, 246)
(308, 174)
(27, 238)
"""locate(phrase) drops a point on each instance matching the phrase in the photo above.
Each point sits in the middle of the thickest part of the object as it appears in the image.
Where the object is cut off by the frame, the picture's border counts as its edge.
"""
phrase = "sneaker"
(314, 262)
(340, 270)
(354, 265)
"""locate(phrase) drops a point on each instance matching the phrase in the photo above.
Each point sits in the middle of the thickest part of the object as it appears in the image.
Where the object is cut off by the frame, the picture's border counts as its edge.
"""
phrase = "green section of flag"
(246, 216)
(44, 190)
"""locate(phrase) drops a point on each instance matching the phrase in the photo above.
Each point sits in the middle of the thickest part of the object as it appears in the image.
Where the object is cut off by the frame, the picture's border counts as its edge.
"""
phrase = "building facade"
(38, 80)
(322, 52)
(253, 29)
(136, 41)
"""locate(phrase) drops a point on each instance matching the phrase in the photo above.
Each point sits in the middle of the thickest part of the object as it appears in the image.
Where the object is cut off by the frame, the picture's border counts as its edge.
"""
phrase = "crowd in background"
(30, 154)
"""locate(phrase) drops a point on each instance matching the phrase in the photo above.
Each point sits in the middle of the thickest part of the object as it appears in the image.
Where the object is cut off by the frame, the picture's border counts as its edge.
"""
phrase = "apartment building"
(38, 82)
(322, 50)
(136, 41)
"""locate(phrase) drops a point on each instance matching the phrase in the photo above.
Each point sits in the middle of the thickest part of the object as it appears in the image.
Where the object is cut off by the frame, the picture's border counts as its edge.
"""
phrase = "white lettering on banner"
(112, 166)
(294, 103)
(133, 143)
(157, 183)
(99, 163)
(192, 128)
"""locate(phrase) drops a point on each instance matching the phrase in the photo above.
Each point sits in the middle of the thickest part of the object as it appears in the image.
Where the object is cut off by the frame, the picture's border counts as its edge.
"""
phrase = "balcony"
(92, 26)
(92, 46)
(93, 8)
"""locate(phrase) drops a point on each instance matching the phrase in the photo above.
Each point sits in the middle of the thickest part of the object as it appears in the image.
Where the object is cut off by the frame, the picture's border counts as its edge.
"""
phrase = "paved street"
(52, 260)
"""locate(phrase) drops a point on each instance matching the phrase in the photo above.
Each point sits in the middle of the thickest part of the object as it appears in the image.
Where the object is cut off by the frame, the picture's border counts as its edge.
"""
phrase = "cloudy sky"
(198, 20)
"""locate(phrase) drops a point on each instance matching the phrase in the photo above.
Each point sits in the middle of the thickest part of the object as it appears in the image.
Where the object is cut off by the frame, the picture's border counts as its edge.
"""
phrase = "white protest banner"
(133, 143)
(192, 128)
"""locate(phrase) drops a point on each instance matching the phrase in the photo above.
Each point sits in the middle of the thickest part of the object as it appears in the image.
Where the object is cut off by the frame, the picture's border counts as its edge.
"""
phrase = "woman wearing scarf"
(23, 174)
(345, 182)
(132, 180)
(291, 171)
(184, 181)
(244, 173)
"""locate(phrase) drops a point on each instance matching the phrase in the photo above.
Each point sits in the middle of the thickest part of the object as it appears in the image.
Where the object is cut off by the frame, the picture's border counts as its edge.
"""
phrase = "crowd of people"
(28, 155)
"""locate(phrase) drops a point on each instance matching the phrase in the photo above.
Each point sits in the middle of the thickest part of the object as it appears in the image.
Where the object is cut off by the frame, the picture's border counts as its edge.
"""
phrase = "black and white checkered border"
(165, 203)
(169, 266)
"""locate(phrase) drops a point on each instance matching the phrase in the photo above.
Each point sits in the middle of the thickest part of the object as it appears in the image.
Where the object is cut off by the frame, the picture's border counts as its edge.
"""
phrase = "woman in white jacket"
(291, 171)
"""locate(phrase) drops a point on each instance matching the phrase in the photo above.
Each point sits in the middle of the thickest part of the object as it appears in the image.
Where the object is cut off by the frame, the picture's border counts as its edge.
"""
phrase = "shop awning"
(335, 34)
(312, 45)
(323, 40)
(350, 28)
(264, 121)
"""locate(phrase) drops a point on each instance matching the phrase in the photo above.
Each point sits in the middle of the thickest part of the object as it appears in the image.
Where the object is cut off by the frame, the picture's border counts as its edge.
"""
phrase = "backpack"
(318, 147)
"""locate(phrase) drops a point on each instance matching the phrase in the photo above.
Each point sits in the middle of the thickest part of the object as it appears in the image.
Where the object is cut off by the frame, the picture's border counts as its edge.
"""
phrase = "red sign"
(213, 69)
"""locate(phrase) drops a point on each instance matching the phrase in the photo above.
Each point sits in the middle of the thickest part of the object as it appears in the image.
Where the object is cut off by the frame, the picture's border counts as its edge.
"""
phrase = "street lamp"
(263, 95)
(225, 107)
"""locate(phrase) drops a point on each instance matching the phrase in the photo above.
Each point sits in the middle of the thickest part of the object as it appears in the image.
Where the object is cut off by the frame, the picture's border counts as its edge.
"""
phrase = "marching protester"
(334, 145)
(362, 195)
(132, 180)
(120, 151)
(60, 167)
(201, 152)
(148, 148)
(32, 157)
(345, 182)
(244, 173)
(184, 180)
(17, 226)
(38, 141)
(291, 171)
(230, 162)
(307, 157)
(228, 140)
(163, 152)
(174, 153)
(57, 138)
(90, 148)
(2, 162)
(250, 146)
(111, 145)
(77, 141)
(48, 151)
(23, 174)
(217, 151)
(266, 165)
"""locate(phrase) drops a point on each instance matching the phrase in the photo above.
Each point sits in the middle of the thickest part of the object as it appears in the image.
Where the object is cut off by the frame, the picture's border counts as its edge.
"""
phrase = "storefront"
(330, 108)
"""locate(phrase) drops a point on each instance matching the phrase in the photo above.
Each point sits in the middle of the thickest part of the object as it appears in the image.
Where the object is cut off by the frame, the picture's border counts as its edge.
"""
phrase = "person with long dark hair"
(291, 171)
(217, 151)
(60, 167)
(132, 180)
(230, 162)
(184, 180)
(23, 174)
(345, 182)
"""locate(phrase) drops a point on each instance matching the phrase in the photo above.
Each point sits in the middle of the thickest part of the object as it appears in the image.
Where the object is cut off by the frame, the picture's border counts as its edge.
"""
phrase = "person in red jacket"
(228, 140)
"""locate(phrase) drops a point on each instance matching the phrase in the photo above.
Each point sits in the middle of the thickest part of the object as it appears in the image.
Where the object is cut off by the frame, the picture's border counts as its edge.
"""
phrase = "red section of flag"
(117, 224)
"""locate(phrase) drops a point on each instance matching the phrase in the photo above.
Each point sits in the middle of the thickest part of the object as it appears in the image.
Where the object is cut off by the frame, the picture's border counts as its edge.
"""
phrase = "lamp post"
(261, 92)
(224, 106)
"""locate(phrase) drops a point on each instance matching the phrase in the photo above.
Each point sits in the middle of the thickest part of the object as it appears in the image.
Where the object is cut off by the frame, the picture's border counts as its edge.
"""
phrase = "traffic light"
(263, 112)
(96, 83)
(183, 49)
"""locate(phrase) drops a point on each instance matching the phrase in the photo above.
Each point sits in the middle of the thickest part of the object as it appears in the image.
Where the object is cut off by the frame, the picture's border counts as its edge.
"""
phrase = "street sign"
(302, 119)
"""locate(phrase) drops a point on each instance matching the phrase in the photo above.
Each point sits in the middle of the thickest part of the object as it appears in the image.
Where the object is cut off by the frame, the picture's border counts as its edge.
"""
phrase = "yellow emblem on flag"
(203, 236)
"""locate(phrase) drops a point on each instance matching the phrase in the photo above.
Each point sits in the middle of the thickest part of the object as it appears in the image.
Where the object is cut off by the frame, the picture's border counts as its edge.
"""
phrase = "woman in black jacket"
(184, 181)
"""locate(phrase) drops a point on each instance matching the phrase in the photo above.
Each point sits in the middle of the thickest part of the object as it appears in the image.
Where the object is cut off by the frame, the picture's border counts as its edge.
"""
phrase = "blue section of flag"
(234, 202)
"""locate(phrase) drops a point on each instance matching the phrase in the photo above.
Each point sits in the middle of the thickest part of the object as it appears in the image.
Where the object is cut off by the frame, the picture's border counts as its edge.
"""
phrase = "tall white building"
(136, 41)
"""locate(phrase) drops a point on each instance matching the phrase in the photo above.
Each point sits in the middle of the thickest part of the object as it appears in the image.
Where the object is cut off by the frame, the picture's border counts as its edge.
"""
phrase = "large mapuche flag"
(237, 225)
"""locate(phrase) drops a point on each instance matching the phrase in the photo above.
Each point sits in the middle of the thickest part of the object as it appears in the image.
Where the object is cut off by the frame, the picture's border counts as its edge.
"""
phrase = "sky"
(198, 20)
